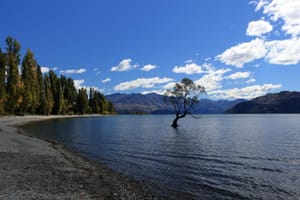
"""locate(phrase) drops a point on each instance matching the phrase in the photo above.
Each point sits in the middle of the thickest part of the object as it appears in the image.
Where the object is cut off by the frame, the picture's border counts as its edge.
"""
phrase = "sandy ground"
(34, 169)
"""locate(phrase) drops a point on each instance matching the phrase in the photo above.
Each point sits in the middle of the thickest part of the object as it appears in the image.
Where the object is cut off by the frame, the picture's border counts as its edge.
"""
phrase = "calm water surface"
(214, 157)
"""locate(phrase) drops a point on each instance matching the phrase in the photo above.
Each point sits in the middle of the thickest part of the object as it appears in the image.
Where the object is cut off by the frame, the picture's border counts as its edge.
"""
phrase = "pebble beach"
(31, 168)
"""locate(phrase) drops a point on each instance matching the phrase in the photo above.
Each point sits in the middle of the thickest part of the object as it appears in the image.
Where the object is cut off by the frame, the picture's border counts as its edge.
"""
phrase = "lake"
(214, 157)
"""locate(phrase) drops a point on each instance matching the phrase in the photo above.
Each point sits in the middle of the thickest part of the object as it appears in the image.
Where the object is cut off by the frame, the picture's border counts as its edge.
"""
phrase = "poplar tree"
(31, 94)
(69, 94)
(93, 99)
(57, 92)
(40, 89)
(14, 84)
(2, 82)
(48, 101)
(82, 102)
(110, 108)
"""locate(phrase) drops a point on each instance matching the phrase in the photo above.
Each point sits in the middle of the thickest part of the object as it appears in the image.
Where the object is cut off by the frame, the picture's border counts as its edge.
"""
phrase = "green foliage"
(96, 101)
(82, 103)
(31, 90)
(47, 101)
(183, 97)
(57, 92)
(40, 89)
(14, 85)
(35, 93)
(2, 83)
(69, 94)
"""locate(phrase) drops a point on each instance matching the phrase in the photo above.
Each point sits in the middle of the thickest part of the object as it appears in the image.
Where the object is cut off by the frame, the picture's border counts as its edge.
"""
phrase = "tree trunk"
(174, 124)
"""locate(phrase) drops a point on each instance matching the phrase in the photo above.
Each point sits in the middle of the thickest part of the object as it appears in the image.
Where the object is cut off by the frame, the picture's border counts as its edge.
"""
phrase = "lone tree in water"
(183, 97)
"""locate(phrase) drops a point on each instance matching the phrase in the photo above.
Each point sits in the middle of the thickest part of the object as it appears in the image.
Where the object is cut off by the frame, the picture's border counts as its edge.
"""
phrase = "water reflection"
(215, 157)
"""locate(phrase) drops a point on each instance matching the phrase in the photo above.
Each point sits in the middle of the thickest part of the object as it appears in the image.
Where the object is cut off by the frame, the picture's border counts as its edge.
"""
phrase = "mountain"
(283, 102)
(155, 104)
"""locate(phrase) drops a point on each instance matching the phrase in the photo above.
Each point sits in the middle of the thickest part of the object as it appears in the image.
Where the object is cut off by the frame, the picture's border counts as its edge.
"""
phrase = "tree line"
(25, 90)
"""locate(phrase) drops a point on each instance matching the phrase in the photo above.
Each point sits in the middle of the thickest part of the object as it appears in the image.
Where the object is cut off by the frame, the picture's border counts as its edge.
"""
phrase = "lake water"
(214, 157)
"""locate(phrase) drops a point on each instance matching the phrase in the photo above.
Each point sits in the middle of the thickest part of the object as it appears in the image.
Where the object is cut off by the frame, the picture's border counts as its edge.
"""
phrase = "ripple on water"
(216, 157)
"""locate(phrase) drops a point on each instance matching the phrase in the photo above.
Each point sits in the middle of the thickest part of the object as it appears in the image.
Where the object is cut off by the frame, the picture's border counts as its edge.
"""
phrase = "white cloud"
(96, 70)
(142, 83)
(287, 10)
(161, 92)
(238, 75)
(95, 88)
(207, 59)
(251, 80)
(78, 83)
(243, 53)
(258, 28)
(283, 52)
(47, 69)
(73, 71)
(244, 93)
(213, 79)
(188, 61)
(124, 65)
(148, 67)
(169, 86)
(192, 68)
(259, 4)
(106, 80)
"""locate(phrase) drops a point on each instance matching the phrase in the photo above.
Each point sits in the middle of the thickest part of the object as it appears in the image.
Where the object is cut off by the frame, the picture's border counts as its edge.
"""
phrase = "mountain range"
(155, 104)
(283, 102)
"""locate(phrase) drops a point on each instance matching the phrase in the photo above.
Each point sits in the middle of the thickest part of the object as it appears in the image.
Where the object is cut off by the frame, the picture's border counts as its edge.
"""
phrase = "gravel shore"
(34, 169)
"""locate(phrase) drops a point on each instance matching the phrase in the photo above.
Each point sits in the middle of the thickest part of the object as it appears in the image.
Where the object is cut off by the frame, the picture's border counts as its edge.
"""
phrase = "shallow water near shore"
(214, 157)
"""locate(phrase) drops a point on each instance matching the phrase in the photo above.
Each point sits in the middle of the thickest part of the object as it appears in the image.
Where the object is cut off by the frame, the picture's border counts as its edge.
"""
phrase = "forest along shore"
(34, 169)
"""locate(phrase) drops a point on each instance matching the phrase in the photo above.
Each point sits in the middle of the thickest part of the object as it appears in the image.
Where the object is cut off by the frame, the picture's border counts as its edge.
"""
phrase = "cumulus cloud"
(192, 68)
(124, 65)
(283, 52)
(148, 67)
(47, 69)
(243, 53)
(213, 79)
(169, 86)
(78, 83)
(258, 28)
(249, 92)
(73, 71)
(106, 80)
(142, 83)
(238, 75)
(287, 10)
(251, 80)
(162, 91)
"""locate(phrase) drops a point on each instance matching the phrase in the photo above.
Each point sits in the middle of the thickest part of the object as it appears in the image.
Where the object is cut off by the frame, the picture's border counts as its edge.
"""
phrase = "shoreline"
(31, 168)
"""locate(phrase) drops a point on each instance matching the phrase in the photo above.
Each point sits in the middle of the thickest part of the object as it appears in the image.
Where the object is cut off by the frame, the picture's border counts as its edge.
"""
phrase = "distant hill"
(155, 104)
(283, 102)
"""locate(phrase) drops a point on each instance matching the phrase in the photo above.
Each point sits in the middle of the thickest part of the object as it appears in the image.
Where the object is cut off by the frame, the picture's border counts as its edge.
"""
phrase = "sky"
(234, 48)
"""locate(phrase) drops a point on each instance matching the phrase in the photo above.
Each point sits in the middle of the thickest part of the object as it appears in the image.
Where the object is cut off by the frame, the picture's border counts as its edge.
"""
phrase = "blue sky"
(236, 49)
